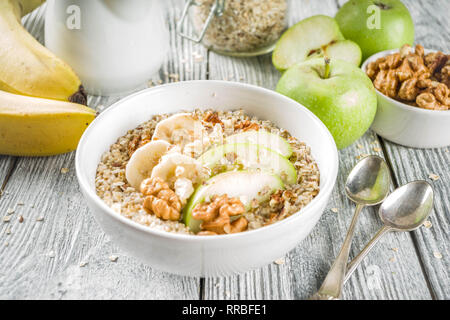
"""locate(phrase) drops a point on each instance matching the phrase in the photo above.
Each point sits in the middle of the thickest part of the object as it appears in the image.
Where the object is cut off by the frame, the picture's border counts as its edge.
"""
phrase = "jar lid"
(216, 10)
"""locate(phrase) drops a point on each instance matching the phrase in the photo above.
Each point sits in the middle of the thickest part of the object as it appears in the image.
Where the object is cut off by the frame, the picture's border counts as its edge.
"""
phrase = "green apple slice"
(262, 138)
(346, 50)
(245, 185)
(250, 156)
(303, 39)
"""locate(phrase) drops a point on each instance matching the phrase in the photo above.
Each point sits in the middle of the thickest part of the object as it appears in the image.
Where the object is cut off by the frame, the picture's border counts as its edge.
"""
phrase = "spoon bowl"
(369, 181)
(408, 207)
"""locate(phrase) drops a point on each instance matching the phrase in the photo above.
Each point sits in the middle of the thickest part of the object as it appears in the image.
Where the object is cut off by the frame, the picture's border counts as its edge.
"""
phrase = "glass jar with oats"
(236, 27)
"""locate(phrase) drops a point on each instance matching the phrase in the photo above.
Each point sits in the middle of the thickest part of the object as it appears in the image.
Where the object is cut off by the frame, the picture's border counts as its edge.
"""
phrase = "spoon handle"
(351, 267)
(332, 285)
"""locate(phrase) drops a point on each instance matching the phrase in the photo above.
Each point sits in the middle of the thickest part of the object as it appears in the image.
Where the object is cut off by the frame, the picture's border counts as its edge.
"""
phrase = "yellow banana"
(27, 67)
(27, 6)
(32, 126)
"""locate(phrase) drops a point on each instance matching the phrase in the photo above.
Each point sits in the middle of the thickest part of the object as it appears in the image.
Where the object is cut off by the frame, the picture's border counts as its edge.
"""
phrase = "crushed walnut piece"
(137, 142)
(413, 77)
(160, 199)
(211, 118)
(246, 125)
(217, 213)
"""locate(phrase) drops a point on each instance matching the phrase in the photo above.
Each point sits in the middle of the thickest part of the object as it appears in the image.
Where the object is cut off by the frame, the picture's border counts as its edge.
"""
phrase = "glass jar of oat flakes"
(236, 27)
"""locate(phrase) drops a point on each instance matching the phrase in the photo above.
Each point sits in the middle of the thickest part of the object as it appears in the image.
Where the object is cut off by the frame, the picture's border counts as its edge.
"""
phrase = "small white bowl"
(407, 125)
(212, 255)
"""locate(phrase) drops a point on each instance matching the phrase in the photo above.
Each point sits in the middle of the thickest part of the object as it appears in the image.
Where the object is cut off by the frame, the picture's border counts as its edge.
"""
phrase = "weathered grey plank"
(41, 259)
(386, 274)
(433, 244)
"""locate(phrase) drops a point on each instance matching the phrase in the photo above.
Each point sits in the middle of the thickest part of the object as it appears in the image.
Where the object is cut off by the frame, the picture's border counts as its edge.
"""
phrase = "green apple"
(244, 185)
(263, 138)
(250, 156)
(311, 37)
(376, 25)
(338, 92)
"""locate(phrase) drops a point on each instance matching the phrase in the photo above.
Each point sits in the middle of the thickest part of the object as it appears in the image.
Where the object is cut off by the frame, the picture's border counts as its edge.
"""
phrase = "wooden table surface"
(67, 256)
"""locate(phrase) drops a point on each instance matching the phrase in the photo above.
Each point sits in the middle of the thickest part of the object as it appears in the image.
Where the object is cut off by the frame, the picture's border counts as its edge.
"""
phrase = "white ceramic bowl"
(212, 255)
(407, 125)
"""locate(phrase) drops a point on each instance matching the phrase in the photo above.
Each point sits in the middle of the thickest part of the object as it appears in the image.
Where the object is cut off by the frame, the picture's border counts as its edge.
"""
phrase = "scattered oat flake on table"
(394, 249)
(376, 149)
(40, 219)
(335, 210)
(83, 264)
(427, 224)
(51, 254)
(6, 244)
(6, 218)
(433, 176)
(437, 254)
(279, 261)
(64, 170)
(392, 259)
(360, 146)
(20, 203)
(113, 258)
(10, 211)
(8, 231)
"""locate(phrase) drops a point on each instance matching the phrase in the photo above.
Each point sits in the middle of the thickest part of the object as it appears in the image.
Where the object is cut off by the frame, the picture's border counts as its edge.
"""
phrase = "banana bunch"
(42, 101)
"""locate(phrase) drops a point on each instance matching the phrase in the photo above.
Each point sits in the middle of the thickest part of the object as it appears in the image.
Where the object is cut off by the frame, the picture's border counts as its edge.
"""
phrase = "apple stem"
(327, 67)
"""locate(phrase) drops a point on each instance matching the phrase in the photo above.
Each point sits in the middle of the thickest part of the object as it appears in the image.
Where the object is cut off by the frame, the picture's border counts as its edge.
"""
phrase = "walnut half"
(216, 216)
(160, 199)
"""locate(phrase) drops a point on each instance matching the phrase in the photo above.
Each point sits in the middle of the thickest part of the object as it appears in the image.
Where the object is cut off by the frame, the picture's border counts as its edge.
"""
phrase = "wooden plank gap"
(202, 289)
(207, 63)
(9, 173)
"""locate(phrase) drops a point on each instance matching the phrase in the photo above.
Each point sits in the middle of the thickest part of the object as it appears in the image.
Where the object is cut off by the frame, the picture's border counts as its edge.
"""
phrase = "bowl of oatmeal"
(207, 178)
(412, 86)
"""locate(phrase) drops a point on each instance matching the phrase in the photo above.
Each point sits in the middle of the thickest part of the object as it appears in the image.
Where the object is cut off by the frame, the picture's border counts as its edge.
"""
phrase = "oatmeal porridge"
(207, 173)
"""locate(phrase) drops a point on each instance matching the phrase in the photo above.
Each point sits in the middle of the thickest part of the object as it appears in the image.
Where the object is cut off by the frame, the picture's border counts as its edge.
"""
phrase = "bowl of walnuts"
(412, 86)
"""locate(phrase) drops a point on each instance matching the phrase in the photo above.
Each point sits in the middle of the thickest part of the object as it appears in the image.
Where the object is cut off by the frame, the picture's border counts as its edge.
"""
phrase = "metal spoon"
(406, 209)
(367, 184)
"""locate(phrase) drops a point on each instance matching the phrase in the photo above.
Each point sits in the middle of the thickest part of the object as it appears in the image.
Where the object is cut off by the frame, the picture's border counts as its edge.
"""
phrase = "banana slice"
(179, 129)
(173, 166)
(181, 172)
(143, 160)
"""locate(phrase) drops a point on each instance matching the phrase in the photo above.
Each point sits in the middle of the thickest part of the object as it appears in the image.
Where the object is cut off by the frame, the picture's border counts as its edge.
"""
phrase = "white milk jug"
(114, 46)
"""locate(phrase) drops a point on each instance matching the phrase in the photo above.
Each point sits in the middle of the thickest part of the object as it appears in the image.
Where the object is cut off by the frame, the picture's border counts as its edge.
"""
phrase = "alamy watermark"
(73, 21)
(374, 19)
